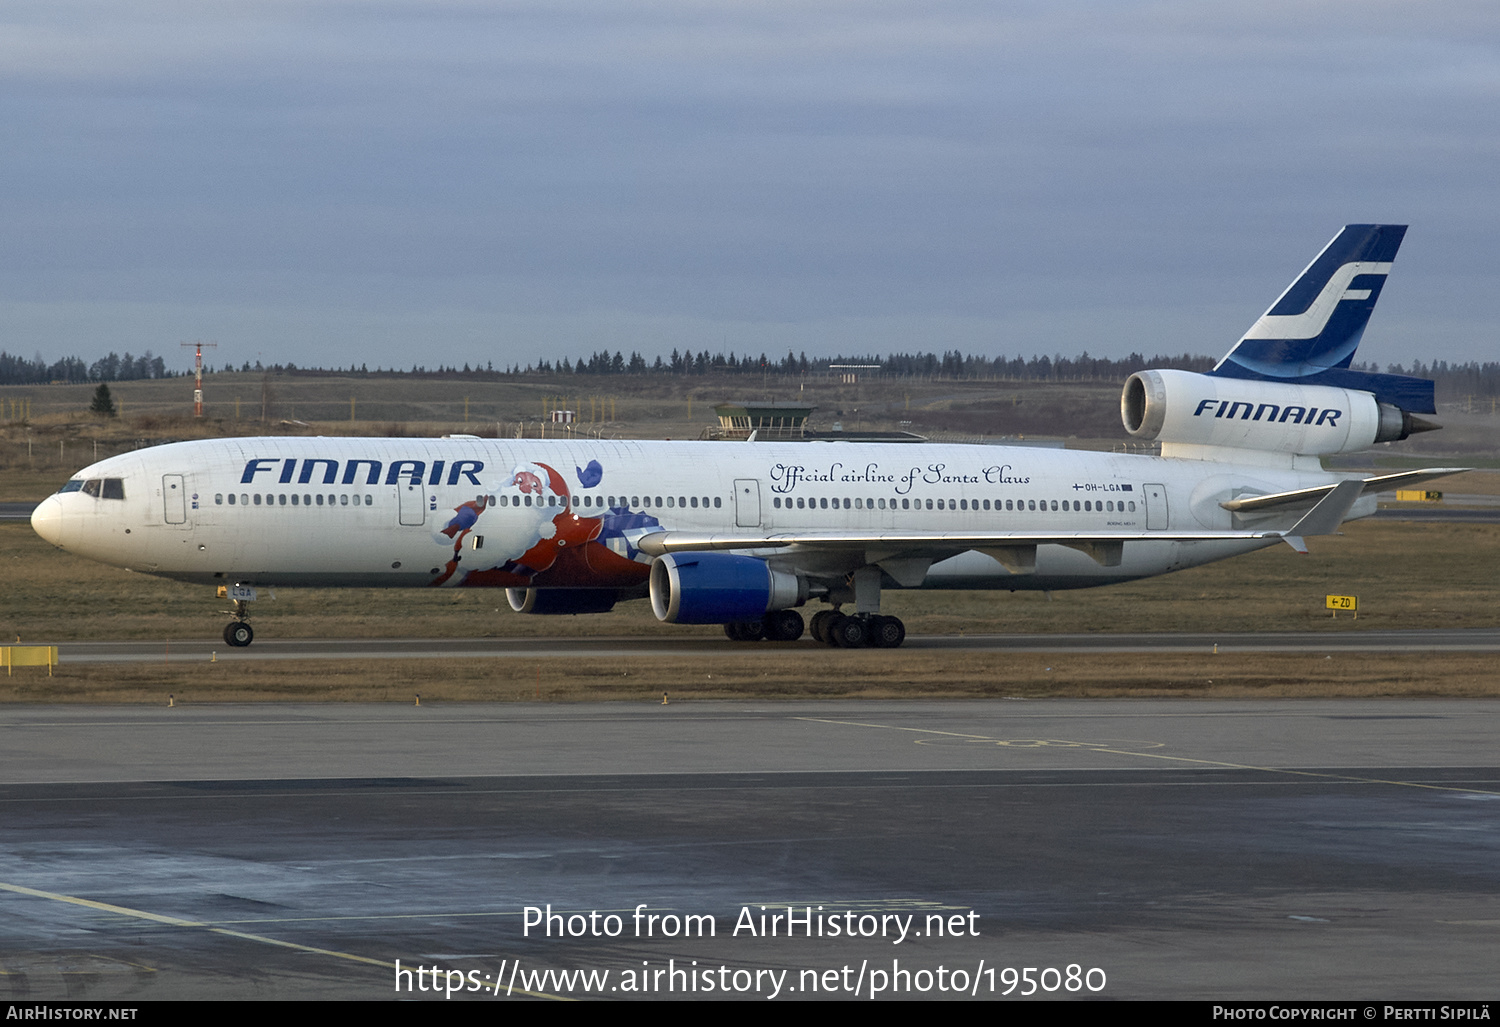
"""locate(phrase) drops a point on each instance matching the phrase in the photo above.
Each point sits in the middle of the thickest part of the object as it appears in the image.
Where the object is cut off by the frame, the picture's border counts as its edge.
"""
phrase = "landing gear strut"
(865, 626)
(238, 632)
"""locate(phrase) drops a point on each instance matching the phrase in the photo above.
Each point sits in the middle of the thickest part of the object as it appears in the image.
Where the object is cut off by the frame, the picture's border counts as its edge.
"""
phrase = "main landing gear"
(858, 631)
(238, 633)
(828, 626)
(865, 627)
(780, 626)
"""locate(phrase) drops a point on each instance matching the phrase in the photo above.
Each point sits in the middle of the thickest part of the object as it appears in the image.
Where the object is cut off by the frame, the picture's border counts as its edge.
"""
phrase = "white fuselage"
(565, 514)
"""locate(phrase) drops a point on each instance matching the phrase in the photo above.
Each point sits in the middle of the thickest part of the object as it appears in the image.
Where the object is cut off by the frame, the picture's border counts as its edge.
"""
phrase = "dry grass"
(774, 674)
(1405, 575)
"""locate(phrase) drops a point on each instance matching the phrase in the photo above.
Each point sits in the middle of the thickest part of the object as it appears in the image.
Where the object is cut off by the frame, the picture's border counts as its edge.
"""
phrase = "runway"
(1206, 850)
(1436, 640)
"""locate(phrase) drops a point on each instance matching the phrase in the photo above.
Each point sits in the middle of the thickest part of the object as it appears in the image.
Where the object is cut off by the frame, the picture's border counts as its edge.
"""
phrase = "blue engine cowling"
(717, 588)
(561, 600)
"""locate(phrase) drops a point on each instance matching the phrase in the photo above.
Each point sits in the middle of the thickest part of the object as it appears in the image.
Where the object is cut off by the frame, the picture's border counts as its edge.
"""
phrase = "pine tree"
(104, 403)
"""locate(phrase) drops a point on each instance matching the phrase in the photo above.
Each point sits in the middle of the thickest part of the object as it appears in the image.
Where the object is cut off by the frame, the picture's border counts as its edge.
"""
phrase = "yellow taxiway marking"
(1104, 748)
(172, 921)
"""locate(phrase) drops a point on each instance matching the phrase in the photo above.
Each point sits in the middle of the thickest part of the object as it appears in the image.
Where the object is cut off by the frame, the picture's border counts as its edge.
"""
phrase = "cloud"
(973, 173)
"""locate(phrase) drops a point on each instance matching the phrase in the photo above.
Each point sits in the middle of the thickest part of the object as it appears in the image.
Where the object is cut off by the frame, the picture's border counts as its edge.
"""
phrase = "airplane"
(745, 534)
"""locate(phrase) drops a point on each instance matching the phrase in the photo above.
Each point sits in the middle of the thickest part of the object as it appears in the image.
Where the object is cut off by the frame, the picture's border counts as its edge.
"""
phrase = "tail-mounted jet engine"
(717, 588)
(1184, 408)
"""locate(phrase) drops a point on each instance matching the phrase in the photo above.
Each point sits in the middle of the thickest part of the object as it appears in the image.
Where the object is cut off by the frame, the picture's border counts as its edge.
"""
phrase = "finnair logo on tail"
(1310, 323)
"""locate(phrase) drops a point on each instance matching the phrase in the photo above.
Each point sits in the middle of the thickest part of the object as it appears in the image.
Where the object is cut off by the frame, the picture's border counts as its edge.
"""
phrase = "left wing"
(1012, 548)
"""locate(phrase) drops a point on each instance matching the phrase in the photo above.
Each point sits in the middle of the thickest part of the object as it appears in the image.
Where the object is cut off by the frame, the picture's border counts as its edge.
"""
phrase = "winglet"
(1327, 515)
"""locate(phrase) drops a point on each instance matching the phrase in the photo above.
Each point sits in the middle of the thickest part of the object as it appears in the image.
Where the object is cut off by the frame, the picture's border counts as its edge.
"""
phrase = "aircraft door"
(746, 503)
(174, 498)
(411, 503)
(1156, 507)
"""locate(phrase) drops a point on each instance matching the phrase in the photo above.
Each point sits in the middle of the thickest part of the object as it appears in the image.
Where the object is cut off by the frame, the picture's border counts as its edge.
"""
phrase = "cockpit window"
(99, 488)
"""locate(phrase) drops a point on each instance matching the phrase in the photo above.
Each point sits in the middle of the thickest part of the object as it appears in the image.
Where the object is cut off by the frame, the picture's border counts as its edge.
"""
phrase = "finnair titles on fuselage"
(745, 534)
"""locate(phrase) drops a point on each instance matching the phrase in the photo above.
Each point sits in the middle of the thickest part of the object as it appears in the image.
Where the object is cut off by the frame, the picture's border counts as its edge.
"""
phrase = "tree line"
(17, 370)
(1454, 380)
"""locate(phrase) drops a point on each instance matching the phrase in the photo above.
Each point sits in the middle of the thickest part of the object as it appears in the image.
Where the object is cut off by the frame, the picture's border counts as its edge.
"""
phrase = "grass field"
(1406, 575)
(39, 451)
(773, 672)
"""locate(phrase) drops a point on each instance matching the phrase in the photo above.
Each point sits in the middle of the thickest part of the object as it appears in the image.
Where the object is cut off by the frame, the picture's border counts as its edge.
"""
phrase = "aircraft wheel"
(732, 631)
(239, 634)
(831, 629)
(887, 632)
(784, 626)
(819, 626)
(752, 630)
(850, 633)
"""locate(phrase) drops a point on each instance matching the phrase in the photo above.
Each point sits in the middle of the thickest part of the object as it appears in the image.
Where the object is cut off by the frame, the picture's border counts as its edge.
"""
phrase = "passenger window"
(369, 501)
(717, 502)
(343, 500)
(257, 499)
(218, 499)
(231, 499)
(294, 499)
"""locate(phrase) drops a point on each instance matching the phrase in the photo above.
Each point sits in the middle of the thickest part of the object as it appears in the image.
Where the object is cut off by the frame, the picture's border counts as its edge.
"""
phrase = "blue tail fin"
(1309, 335)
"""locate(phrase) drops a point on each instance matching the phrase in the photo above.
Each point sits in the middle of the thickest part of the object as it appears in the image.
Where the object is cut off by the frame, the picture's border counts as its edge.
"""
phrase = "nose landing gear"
(238, 632)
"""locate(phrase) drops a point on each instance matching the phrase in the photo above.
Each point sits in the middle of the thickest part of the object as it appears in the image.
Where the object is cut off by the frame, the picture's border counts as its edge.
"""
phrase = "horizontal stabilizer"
(1325, 518)
(1379, 483)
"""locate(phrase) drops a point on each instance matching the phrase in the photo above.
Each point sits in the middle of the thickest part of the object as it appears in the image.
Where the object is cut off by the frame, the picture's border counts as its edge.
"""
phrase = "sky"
(391, 182)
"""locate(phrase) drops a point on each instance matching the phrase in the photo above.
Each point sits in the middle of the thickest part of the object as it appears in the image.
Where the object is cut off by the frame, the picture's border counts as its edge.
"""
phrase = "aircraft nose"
(47, 520)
